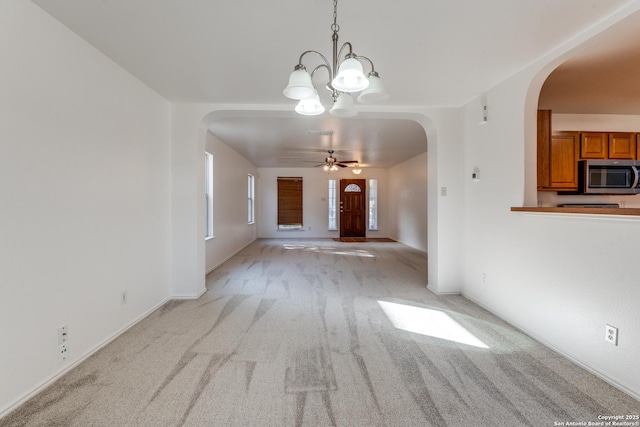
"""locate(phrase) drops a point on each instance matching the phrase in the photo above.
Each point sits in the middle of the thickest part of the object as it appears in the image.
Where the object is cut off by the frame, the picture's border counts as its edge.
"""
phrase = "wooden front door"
(353, 208)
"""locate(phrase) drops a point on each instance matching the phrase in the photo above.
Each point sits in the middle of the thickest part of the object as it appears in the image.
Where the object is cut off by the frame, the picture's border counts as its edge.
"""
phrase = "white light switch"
(475, 175)
(443, 191)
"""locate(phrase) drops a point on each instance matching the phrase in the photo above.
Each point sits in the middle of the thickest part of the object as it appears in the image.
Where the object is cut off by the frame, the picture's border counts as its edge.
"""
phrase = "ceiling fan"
(332, 161)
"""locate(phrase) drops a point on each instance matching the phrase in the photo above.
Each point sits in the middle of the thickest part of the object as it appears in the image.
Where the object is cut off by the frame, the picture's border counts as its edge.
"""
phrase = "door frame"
(362, 183)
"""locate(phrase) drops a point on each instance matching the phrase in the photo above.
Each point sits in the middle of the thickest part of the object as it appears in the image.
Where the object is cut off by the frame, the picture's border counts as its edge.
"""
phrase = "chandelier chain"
(335, 27)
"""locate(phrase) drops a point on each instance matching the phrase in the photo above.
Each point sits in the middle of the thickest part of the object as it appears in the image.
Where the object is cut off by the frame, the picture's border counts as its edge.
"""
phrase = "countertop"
(576, 210)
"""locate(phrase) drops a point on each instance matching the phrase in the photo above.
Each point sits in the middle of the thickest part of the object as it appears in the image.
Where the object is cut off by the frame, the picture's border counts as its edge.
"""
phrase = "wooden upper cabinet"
(594, 145)
(544, 147)
(638, 146)
(557, 156)
(622, 145)
(563, 164)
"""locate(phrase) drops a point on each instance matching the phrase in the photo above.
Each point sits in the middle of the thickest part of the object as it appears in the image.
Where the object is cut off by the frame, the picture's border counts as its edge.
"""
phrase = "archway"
(422, 120)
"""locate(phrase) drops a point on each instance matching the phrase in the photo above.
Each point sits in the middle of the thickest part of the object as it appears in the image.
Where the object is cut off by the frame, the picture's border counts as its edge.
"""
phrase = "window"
(250, 196)
(333, 222)
(373, 204)
(352, 188)
(208, 195)
(289, 203)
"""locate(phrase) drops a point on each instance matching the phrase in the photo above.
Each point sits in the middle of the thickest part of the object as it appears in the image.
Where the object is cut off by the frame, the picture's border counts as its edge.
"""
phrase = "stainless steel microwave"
(608, 176)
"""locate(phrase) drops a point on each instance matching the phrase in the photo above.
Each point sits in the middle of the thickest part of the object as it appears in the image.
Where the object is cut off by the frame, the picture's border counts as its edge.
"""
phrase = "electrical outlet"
(63, 352)
(611, 334)
(485, 279)
(123, 297)
(63, 334)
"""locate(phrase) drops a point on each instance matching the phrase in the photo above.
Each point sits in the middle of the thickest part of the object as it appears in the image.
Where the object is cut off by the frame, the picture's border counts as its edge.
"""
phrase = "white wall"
(595, 122)
(560, 278)
(230, 211)
(408, 202)
(315, 205)
(84, 197)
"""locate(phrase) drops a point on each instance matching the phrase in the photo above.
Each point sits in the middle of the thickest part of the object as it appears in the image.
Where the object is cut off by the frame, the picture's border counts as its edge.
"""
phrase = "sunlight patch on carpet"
(329, 250)
(425, 321)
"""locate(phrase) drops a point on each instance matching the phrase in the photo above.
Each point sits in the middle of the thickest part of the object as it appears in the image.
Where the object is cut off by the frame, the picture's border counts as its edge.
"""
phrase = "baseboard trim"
(59, 374)
(430, 288)
(190, 296)
(229, 256)
(561, 352)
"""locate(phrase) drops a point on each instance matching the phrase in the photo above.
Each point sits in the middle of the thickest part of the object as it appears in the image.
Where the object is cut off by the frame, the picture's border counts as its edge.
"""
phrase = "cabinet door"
(544, 147)
(622, 145)
(593, 145)
(564, 161)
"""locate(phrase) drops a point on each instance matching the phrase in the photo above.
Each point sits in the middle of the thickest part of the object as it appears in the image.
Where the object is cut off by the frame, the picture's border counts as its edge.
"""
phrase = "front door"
(353, 208)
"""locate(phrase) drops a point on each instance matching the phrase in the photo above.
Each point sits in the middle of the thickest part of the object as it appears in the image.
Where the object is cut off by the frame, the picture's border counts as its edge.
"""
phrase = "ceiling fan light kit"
(344, 78)
(331, 164)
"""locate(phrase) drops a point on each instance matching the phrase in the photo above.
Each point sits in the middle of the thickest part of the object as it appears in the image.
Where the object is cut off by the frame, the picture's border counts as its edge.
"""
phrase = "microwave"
(608, 176)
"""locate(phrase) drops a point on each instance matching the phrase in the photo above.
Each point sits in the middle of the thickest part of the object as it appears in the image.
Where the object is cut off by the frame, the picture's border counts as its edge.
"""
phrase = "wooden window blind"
(289, 202)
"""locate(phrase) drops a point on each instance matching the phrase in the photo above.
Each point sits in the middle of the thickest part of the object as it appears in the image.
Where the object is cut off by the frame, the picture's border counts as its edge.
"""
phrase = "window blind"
(290, 201)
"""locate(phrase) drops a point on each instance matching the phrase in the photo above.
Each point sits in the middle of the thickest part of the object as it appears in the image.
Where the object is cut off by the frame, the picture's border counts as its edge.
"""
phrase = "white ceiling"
(292, 142)
(428, 53)
(601, 77)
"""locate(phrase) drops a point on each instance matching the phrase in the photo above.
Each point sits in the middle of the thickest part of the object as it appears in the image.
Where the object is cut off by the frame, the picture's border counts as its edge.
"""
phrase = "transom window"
(352, 188)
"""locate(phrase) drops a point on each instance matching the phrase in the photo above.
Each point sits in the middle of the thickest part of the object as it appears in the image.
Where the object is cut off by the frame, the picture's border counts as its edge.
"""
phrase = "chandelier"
(345, 78)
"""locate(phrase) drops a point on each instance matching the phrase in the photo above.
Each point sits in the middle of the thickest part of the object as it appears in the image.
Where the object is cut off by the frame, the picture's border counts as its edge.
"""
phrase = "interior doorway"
(353, 208)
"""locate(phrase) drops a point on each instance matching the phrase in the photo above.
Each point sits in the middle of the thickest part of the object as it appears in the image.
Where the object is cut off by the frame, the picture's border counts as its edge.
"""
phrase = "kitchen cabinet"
(594, 145)
(544, 145)
(557, 156)
(559, 152)
(563, 161)
(622, 145)
(608, 145)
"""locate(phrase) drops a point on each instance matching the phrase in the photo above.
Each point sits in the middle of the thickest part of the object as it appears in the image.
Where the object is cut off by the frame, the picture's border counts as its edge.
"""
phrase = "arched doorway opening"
(221, 118)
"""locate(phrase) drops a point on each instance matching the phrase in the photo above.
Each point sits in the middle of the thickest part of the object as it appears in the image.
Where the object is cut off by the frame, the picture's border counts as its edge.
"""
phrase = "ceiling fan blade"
(348, 161)
(341, 165)
(317, 166)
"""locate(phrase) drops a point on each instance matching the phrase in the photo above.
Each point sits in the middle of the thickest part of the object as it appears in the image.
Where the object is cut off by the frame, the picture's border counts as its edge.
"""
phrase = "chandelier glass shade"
(300, 86)
(374, 92)
(343, 106)
(350, 77)
(344, 78)
(310, 106)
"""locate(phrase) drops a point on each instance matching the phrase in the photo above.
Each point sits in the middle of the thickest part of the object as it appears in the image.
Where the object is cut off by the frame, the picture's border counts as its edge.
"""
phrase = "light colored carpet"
(321, 333)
